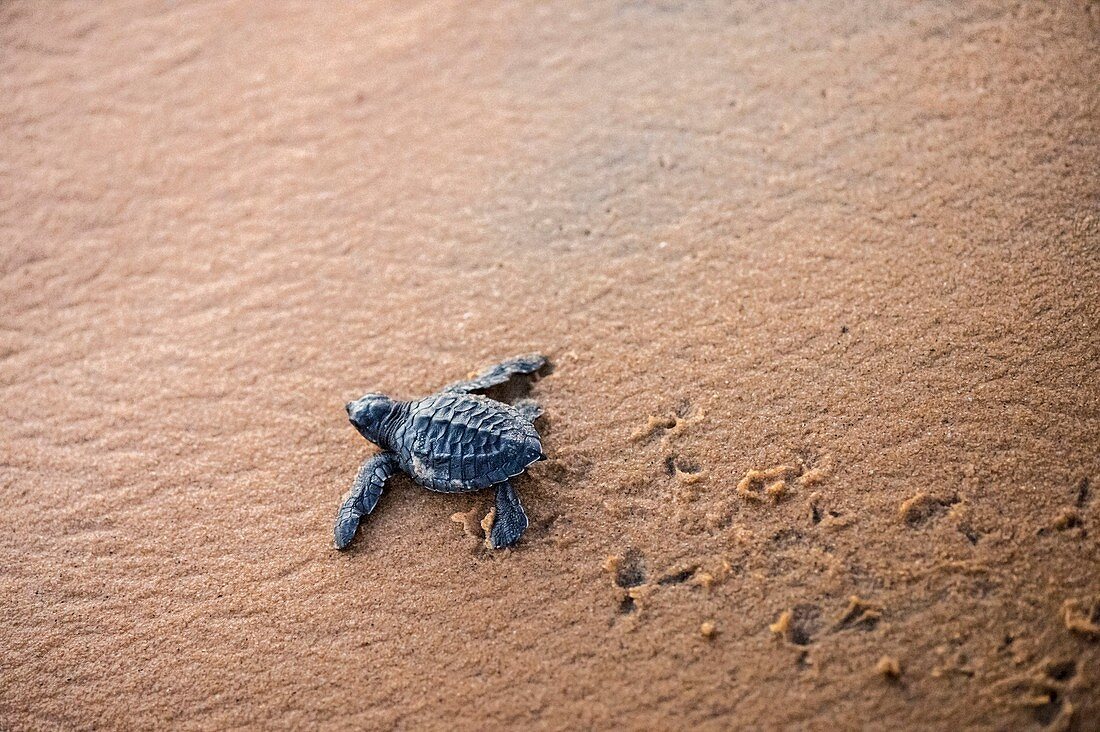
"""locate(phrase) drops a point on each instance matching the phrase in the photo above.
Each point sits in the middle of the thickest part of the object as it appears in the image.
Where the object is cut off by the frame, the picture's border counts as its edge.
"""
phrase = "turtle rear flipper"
(529, 409)
(510, 521)
(500, 373)
(363, 496)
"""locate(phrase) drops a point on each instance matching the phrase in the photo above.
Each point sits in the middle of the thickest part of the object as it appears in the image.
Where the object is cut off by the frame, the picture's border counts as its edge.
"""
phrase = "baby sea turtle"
(453, 441)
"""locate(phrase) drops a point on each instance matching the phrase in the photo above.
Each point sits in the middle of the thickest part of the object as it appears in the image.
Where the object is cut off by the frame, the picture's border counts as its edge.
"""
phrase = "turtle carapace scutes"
(454, 441)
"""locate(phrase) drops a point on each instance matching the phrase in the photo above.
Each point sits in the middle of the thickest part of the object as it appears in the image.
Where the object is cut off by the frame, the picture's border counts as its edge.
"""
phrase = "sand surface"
(853, 247)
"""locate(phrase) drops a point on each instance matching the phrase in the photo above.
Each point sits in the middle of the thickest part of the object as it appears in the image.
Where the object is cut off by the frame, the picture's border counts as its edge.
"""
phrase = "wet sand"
(852, 247)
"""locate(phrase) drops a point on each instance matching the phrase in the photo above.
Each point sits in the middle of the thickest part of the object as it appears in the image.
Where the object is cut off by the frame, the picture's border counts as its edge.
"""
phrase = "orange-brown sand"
(853, 247)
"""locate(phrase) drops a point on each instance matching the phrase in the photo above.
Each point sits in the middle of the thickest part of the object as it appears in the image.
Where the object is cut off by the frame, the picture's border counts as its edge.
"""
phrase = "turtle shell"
(464, 442)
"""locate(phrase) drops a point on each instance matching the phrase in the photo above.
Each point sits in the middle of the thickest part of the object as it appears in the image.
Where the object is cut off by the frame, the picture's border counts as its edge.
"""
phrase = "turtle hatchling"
(454, 441)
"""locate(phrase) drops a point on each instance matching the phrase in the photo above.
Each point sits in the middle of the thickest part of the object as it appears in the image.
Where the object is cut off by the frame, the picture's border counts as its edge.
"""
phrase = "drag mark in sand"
(1082, 618)
(797, 625)
(922, 507)
(632, 587)
(1043, 689)
(687, 474)
(1071, 520)
(669, 426)
(776, 483)
(628, 574)
(889, 668)
(471, 525)
(859, 614)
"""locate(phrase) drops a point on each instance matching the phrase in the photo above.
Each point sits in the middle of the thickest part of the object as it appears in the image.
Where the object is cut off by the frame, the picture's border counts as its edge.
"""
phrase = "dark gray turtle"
(453, 441)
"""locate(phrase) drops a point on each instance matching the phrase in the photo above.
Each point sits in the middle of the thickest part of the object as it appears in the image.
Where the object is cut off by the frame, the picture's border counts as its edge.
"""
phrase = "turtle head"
(371, 415)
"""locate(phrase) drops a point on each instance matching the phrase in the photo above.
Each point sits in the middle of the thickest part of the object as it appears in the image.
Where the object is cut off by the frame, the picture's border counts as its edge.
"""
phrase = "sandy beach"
(820, 283)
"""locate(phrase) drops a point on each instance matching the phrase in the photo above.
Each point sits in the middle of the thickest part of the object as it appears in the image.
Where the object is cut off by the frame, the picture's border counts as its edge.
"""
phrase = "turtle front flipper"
(363, 496)
(500, 373)
(510, 521)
